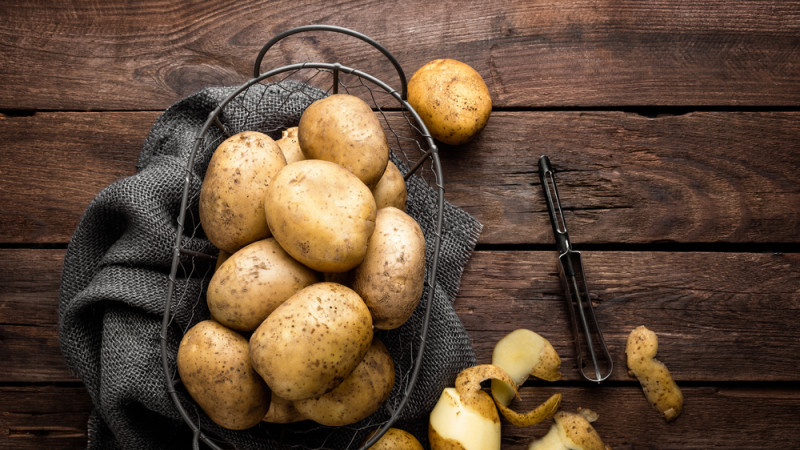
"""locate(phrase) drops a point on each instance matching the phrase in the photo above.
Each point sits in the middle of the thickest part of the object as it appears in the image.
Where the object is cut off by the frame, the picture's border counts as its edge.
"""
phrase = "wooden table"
(674, 128)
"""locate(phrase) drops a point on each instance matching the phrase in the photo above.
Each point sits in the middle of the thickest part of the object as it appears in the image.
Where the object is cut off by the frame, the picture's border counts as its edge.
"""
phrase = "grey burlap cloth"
(115, 281)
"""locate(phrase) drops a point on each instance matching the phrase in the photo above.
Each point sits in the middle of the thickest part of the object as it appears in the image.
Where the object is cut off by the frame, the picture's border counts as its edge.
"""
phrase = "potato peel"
(468, 385)
(542, 412)
(657, 383)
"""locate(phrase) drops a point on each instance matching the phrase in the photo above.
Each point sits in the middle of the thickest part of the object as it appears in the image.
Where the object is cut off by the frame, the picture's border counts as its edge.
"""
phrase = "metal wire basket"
(413, 151)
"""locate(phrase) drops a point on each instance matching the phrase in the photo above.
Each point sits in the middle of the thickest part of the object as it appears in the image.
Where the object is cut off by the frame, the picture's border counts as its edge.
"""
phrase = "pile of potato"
(317, 251)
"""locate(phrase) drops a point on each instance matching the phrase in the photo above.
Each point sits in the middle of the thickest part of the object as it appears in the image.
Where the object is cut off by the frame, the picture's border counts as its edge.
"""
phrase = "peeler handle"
(585, 329)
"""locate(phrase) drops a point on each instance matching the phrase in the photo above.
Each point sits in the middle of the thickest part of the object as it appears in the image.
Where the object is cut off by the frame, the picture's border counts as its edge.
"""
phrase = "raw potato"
(392, 276)
(570, 431)
(214, 366)
(456, 425)
(522, 353)
(343, 129)
(290, 146)
(253, 282)
(391, 189)
(282, 411)
(359, 395)
(657, 383)
(452, 100)
(321, 214)
(232, 193)
(312, 341)
(465, 417)
(397, 439)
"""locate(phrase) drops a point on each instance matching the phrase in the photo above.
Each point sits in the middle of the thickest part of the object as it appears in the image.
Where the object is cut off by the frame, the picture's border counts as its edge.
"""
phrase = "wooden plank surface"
(712, 311)
(674, 129)
(146, 55)
(705, 177)
(54, 416)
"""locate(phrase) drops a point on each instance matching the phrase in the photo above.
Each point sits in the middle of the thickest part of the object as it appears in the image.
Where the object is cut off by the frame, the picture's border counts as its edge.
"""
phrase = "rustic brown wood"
(56, 163)
(146, 55)
(705, 177)
(624, 178)
(55, 417)
(713, 417)
(29, 285)
(49, 416)
(667, 122)
(714, 313)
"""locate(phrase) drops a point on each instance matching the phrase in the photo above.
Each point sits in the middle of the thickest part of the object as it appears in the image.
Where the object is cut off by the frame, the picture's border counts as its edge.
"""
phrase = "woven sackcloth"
(115, 281)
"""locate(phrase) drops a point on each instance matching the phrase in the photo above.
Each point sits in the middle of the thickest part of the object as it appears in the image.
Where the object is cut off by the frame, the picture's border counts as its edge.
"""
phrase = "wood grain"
(718, 316)
(705, 177)
(55, 417)
(148, 54)
(43, 416)
(712, 311)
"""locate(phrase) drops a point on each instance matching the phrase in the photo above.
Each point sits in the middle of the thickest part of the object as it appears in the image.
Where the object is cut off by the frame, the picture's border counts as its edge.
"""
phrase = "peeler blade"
(586, 331)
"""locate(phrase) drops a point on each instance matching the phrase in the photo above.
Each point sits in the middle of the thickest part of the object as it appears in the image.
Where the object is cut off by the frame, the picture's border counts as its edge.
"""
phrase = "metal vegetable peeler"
(585, 330)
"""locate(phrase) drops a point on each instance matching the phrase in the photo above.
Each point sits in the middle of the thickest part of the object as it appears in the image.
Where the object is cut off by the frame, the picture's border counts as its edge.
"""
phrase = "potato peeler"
(585, 329)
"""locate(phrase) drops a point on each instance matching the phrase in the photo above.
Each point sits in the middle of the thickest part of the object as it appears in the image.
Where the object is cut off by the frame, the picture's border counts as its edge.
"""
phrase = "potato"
(657, 383)
(343, 129)
(357, 396)
(392, 276)
(571, 431)
(214, 366)
(252, 282)
(452, 100)
(397, 439)
(312, 341)
(290, 146)
(232, 193)
(282, 411)
(321, 214)
(391, 189)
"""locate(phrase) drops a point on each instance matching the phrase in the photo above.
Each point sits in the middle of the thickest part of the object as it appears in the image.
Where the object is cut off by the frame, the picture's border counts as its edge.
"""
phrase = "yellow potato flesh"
(473, 428)
(522, 353)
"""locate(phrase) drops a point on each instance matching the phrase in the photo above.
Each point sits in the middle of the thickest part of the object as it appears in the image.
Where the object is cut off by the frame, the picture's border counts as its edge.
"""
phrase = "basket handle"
(337, 29)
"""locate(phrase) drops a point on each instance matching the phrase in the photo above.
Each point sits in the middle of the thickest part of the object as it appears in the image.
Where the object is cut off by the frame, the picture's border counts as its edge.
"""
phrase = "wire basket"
(268, 103)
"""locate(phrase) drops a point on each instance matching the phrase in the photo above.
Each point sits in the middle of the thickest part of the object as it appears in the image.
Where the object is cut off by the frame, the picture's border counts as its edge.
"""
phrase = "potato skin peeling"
(657, 383)
(570, 431)
(523, 353)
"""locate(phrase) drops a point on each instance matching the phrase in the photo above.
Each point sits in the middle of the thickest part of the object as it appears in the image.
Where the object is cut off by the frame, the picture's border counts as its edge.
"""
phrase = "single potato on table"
(451, 98)
(232, 194)
(214, 366)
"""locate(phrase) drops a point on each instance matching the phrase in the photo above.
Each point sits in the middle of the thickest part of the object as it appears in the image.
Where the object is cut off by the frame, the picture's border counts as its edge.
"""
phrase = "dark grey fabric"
(116, 277)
